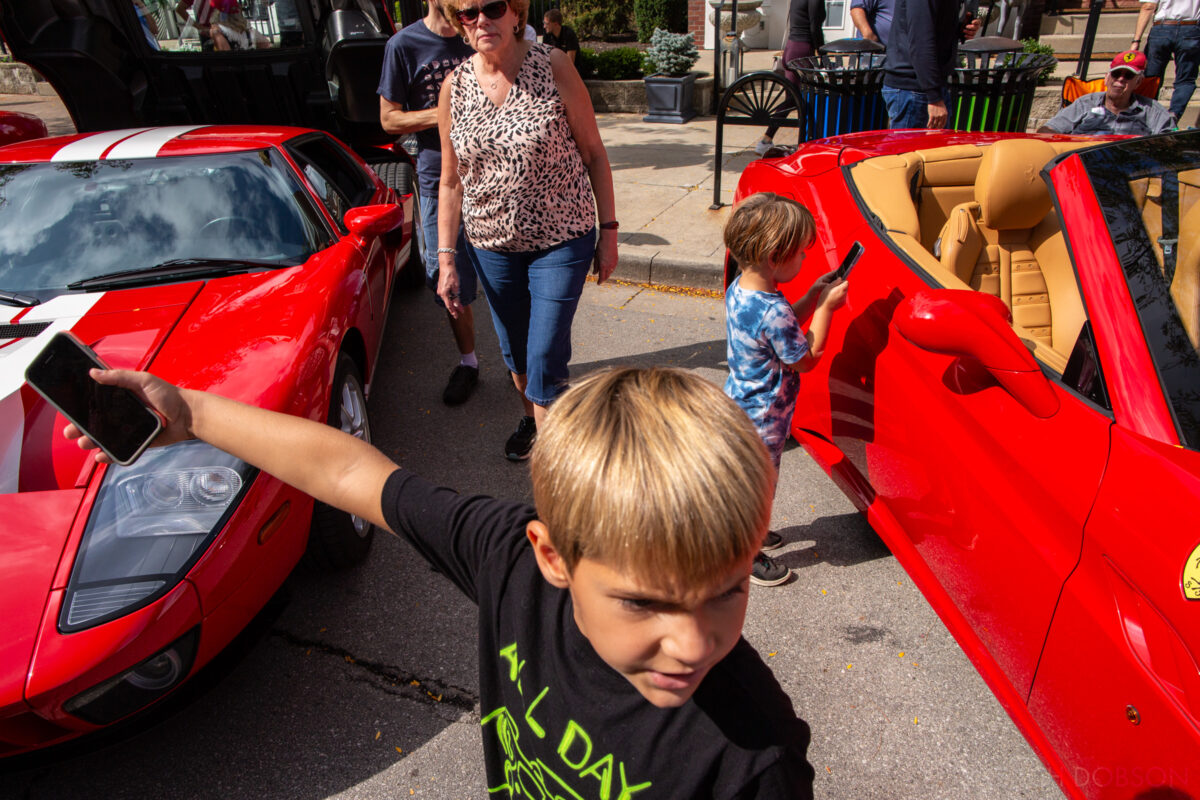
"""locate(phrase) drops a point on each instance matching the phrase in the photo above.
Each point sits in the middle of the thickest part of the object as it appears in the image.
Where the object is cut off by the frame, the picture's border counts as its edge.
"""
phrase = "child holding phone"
(767, 349)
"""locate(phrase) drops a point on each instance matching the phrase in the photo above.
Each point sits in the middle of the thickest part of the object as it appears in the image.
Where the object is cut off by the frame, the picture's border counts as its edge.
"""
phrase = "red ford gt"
(256, 262)
(1012, 397)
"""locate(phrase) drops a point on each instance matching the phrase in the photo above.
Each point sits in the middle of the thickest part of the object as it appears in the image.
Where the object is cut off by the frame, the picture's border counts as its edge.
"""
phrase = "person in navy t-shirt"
(872, 19)
(416, 61)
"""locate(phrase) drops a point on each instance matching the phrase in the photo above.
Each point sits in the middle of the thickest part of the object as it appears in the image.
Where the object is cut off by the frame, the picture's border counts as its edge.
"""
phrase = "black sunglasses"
(492, 10)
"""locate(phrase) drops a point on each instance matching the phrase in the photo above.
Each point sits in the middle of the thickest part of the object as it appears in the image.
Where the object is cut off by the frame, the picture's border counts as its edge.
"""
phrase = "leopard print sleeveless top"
(524, 183)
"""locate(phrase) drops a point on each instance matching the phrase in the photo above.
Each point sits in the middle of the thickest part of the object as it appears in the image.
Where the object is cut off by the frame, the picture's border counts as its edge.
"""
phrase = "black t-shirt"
(557, 721)
(415, 62)
(565, 41)
(806, 19)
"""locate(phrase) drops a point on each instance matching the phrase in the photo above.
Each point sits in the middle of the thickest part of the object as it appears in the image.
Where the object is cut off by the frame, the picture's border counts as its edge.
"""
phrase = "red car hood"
(43, 476)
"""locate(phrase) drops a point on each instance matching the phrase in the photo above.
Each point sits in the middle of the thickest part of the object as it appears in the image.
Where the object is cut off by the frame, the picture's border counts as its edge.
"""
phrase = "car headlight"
(150, 523)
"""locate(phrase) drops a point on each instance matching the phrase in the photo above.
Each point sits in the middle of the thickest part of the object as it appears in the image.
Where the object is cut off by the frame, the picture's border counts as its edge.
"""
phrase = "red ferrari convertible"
(256, 262)
(1012, 397)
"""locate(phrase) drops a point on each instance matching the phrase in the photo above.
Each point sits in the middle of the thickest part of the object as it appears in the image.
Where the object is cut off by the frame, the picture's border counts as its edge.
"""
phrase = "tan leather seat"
(1008, 243)
(1185, 287)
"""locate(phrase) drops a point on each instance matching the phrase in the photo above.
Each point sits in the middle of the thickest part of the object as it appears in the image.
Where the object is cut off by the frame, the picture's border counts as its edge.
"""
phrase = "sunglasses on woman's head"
(492, 10)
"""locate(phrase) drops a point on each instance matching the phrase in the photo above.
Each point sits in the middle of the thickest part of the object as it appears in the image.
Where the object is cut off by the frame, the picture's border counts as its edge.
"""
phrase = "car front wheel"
(337, 540)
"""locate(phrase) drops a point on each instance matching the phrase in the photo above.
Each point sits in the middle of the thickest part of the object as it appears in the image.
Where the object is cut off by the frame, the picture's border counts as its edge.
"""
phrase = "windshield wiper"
(176, 268)
(17, 299)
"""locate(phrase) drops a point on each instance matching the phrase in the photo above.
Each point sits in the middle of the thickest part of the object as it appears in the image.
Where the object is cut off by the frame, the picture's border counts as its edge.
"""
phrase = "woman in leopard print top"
(524, 169)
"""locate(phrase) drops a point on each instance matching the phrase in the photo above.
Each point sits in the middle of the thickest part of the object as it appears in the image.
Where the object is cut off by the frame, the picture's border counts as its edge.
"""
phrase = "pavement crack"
(412, 687)
(640, 291)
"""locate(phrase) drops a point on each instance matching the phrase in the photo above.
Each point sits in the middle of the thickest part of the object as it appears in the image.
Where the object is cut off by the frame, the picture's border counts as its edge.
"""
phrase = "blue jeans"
(906, 108)
(533, 296)
(1183, 43)
(466, 272)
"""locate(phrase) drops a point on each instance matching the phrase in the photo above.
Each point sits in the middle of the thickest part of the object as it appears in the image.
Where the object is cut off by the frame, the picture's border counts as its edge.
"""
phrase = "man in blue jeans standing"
(1175, 34)
(922, 50)
(416, 61)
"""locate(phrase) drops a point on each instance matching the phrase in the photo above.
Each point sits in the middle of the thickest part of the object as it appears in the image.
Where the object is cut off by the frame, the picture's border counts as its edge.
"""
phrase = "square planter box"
(669, 99)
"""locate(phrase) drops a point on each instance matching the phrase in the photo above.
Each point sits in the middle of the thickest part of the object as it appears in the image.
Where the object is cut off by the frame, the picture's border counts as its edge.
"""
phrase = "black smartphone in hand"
(849, 261)
(114, 418)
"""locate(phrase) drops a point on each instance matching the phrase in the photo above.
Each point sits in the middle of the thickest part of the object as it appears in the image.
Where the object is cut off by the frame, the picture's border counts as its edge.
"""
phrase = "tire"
(401, 177)
(337, 540)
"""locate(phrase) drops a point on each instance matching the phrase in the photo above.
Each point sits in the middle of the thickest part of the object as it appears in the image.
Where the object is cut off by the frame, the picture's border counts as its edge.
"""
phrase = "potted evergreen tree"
(669, 80)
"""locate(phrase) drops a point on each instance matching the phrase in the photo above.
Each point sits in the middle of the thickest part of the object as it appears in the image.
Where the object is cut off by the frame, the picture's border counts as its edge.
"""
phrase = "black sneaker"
(519, 445)
(461, 384)
(773, 541)
(768, 572)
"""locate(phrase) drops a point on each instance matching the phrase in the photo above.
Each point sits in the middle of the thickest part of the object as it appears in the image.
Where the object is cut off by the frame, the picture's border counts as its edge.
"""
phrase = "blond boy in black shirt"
(612, 664)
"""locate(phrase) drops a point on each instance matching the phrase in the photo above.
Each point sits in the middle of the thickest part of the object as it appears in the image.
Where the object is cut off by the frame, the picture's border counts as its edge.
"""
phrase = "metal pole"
(1089, 38)
(734, 51)
(716, 92)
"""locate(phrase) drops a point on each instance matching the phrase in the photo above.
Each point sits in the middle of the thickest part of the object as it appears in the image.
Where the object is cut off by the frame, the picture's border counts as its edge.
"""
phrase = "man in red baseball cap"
(1131, 60)
(1118, 109)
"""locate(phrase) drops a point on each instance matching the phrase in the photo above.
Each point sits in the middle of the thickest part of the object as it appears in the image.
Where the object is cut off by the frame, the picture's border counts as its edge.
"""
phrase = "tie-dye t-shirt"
(763, 335)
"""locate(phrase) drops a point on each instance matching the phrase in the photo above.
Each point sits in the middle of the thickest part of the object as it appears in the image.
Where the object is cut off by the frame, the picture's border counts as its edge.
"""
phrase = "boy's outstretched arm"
(321, 461)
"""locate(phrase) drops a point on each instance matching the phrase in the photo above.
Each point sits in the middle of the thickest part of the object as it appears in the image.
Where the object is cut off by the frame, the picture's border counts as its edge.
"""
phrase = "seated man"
(1118, 109)
(559, 35)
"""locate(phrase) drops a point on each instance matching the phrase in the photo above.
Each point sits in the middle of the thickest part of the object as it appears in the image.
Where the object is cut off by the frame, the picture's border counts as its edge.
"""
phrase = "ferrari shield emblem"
(1191, 576)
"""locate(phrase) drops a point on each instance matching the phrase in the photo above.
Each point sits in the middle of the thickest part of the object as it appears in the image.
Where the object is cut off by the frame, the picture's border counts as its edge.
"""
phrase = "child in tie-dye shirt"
(767, 235)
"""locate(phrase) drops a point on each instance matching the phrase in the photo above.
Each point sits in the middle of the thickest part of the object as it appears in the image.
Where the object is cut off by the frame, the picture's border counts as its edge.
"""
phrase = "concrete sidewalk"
(663, 175)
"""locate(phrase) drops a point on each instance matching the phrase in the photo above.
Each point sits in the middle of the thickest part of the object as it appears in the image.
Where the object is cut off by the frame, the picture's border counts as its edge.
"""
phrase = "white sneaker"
(763, 145)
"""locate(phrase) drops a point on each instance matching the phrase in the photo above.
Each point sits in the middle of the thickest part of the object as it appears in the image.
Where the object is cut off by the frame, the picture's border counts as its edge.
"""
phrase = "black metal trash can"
(994, 89)
(841, 88)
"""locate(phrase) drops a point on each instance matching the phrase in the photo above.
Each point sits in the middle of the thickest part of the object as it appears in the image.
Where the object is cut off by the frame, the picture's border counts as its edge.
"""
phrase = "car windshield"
(1149, 189)
(65, 222)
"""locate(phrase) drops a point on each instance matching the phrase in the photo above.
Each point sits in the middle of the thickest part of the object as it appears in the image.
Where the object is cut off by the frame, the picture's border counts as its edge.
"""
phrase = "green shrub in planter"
(653, 14)
(618, 64)
(585, 62)
(598, 19)
(671, 53)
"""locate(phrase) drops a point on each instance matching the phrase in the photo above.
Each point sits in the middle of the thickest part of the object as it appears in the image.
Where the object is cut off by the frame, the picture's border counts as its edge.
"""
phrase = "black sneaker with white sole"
(768, 572)
(520, 444)
(773, 541)
(461, 384)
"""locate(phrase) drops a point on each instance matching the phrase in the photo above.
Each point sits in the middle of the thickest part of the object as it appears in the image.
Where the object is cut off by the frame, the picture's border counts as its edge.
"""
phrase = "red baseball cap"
(1132, 60)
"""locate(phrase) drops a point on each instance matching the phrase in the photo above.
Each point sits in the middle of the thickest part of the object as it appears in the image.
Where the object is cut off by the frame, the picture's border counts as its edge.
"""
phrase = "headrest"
(1009, 187)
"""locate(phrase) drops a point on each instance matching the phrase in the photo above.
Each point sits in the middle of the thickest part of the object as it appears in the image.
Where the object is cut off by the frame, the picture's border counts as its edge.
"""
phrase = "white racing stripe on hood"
(148, 143)
(62, 313)
(93, 147)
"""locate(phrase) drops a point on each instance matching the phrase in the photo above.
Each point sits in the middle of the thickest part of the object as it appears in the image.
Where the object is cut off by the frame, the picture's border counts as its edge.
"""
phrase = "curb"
(671, 271)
